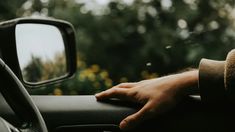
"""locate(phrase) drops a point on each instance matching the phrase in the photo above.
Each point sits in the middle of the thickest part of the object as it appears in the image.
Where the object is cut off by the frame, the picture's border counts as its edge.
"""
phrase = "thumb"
(136, 118)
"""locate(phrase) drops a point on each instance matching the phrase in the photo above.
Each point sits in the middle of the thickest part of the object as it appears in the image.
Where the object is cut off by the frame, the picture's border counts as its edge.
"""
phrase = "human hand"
(156, 95)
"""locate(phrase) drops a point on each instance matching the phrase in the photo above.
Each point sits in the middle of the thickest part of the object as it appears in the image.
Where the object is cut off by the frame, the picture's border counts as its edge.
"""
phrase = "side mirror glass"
(40, 51)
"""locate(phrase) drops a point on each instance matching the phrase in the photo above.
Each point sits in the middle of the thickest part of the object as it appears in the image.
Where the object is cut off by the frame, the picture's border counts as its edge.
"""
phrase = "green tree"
(38, 70)
(9, 9)
(127, 36)
(138, 40)
(33, 71)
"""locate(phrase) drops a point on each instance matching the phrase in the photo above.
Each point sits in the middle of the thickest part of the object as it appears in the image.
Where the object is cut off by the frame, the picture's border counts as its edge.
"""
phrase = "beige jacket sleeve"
(217, 79)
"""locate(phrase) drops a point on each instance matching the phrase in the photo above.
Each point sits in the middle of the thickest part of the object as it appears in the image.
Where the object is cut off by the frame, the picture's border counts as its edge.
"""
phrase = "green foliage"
(9, 9)
(139, 40)
(38, 70)
(33, 71)
(87, 80)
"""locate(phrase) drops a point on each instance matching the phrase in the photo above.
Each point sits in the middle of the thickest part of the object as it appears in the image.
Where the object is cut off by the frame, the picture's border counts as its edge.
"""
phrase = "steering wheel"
(21, 103)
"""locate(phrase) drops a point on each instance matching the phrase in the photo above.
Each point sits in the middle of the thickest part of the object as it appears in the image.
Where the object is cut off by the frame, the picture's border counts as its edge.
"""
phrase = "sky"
(38, 40)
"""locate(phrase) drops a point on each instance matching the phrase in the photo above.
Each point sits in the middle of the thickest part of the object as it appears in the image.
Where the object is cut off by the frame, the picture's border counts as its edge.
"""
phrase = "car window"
(130, 40)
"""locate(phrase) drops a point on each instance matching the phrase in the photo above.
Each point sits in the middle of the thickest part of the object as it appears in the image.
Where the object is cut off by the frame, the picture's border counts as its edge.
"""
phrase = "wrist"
(189, 82)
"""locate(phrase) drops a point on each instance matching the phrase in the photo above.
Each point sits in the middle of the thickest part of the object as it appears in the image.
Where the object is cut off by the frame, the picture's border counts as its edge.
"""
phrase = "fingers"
(113, 93)
(136, 118)
(120, 91)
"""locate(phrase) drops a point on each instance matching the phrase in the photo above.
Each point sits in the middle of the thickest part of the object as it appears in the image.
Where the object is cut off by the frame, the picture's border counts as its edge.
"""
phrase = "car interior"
(37, 53)
(33, 113)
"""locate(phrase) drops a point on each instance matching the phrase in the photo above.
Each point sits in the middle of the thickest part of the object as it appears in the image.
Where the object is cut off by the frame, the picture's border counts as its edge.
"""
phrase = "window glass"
(131, 40)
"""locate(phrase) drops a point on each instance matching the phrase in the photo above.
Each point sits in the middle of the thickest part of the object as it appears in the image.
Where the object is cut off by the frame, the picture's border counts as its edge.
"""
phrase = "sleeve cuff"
(211, 81)
(229, 74)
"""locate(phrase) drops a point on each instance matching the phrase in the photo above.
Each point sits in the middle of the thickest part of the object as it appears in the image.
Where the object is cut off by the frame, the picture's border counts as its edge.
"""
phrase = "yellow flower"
(81, 77)
(95, 68)
(81, 64)
(87, 72)
(57, 91)
(91, 77)
(104, 74)
(108, 83)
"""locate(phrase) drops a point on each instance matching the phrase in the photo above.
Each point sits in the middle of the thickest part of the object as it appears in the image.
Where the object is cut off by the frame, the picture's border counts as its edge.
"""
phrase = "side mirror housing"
(39, 51)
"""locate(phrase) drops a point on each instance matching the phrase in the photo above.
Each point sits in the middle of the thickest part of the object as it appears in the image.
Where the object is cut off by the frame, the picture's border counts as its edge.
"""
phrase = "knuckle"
(113, 90)
(106, 93)
(132, 93)
(122, 84)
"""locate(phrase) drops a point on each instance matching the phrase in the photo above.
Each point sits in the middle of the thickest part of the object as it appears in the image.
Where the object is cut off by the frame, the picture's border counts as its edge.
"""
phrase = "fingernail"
(123, 125)
(97, 94)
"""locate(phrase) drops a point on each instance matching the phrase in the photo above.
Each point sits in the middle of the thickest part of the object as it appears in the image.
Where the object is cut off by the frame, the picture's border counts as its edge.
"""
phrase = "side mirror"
(39, 51)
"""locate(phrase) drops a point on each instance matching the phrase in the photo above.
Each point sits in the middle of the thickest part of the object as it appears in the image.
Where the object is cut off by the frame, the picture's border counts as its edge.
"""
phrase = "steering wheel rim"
(4, 126)
(20, 101)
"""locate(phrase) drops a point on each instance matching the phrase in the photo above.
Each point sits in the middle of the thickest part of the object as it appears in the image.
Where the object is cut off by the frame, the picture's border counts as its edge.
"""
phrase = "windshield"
(130, 40)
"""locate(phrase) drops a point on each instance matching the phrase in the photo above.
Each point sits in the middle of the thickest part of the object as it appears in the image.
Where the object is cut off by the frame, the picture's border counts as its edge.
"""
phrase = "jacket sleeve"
(217, 79)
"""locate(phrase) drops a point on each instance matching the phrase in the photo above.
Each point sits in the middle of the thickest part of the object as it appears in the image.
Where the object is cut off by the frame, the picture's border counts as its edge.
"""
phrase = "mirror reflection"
(41, 52)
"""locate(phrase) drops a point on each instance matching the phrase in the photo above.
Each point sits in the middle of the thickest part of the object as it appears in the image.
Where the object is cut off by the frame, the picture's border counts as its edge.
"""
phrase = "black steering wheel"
(21, 103)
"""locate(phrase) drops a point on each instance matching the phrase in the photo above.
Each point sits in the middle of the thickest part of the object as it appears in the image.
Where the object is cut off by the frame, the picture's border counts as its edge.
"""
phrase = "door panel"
(81, 110)
(84, 113)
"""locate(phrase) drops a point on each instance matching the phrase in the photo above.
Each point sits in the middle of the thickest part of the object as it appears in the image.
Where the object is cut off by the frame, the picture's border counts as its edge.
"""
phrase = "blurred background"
(130, 40)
